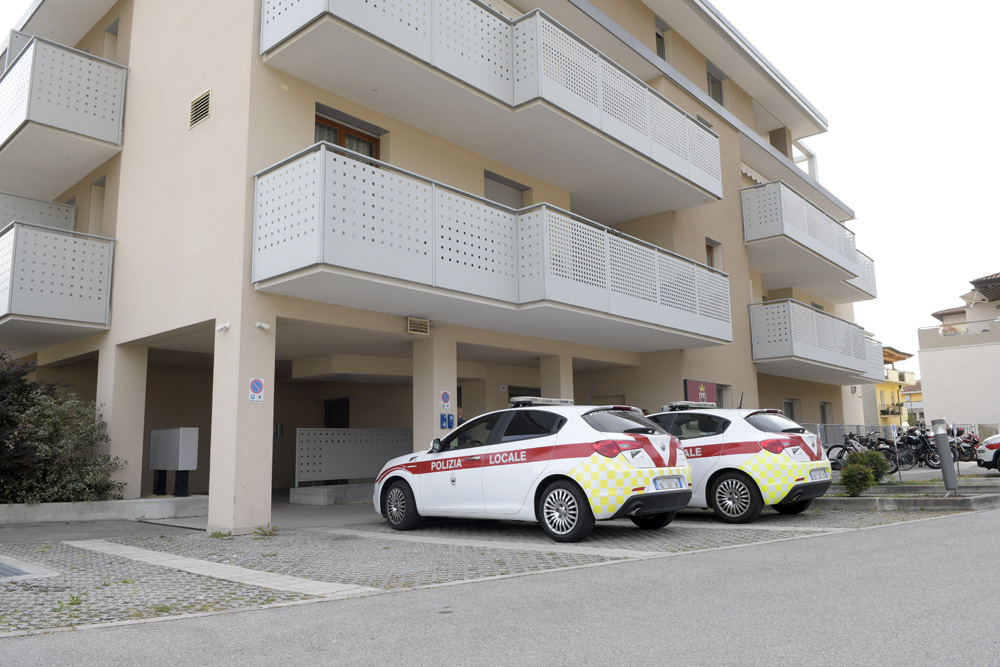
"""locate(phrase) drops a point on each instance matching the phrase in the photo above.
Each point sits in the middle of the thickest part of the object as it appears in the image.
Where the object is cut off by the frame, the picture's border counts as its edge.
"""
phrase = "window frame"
(346, 130)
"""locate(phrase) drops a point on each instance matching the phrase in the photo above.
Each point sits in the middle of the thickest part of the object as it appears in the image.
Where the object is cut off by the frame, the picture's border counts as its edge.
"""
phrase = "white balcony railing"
(329, 206)
(776, 210)
(789, 330)
(14, 208)
(55, 274)
(517, 61)
(55, 85)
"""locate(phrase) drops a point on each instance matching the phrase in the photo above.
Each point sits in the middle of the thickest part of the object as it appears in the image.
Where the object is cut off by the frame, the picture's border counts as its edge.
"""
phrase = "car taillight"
(819, 446)
(612, 448)
(775, 446)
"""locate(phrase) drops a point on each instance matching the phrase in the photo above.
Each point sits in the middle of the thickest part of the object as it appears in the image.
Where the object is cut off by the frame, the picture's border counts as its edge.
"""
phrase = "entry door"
(451, 480)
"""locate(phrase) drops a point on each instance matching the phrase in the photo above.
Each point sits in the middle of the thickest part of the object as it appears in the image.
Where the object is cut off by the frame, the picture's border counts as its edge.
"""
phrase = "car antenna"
(741, 401)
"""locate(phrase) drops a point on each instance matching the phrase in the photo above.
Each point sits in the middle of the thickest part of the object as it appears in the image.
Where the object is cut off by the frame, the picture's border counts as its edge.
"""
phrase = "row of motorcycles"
(913, 447)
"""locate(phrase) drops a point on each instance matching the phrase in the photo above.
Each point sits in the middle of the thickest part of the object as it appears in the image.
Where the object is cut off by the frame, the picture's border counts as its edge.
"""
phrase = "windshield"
(620, 421)
(772, 422)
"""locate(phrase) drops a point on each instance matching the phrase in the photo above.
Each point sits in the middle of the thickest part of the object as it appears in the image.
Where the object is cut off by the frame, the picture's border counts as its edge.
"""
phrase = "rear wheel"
(400, 507)
(653, 521)
(564, 512)
(736, 498)
(793, 508)
(890, 456)
(906, 459)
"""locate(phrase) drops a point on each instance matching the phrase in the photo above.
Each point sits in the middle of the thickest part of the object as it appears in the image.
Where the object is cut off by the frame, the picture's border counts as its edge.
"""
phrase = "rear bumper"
(654, 503)
(806, 491)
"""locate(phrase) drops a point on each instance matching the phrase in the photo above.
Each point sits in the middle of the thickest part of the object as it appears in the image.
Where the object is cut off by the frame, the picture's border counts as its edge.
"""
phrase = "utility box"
(173, 448)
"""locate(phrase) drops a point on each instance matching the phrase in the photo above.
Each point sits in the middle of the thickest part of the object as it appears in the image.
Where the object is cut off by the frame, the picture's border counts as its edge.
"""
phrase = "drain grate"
(7, 570)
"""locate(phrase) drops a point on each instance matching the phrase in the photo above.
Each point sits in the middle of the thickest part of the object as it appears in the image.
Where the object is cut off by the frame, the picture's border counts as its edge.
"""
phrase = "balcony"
(60, 117)
(14, 208)
(792, 243)
(900, 377)
(960, 334)
(55, 286)
(890, 409)
(334, 226)
(526, 93)
(793, 340)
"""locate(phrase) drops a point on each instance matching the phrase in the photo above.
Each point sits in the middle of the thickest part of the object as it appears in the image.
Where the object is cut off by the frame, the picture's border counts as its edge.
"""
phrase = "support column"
(239, 486)
(121, 401)
(557, 376)
(435, 369)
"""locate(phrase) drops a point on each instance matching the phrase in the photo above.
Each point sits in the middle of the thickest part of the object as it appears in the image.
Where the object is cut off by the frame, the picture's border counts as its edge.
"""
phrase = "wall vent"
(416, 326)
(201, 108)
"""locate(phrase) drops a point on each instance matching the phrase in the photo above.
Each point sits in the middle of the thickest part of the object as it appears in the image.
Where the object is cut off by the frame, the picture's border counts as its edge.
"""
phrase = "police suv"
(543, 460)
(742, 460)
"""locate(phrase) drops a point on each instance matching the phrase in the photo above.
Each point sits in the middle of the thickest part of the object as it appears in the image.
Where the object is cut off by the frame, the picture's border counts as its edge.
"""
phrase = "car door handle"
(473, 458)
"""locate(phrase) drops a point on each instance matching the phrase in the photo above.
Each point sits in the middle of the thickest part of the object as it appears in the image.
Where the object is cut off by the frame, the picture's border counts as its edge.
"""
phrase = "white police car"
(543, 460)
(988, 453)
(742, 460)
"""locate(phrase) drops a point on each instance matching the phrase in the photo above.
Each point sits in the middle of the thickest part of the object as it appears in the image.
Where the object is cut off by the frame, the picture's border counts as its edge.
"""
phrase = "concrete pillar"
(121, 401)
(239, 486)
(435, 369)
(557, 376)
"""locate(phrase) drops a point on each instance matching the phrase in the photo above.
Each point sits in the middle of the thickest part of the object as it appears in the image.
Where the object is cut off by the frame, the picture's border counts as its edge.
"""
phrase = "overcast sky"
(903, 86)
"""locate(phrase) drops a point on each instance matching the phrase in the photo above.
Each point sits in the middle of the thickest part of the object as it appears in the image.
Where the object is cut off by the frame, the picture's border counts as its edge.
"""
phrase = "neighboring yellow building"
(884, 400)
(913, 403)
(354, 217)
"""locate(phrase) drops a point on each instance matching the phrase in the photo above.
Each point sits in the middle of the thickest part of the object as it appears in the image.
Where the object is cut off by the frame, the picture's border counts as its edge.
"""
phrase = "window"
(713, 253)
(503, 190)
(715, 87)
(474, 434)
(620, 421)
(525, 424)
(661, 45)
(350, 138)
(663, 40)
(687, 426)
(788, 407)
(772, 422)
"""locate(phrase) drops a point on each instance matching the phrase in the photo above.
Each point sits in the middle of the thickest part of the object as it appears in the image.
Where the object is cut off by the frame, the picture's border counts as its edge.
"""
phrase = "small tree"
(856, 478)
(874, 461)
(50, 442)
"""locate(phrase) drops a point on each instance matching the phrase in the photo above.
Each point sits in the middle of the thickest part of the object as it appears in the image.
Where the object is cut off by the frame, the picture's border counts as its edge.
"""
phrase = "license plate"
(664, 483)
(818, 473)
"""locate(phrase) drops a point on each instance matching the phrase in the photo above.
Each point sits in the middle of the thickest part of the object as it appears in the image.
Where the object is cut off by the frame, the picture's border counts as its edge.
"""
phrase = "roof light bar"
(522, 401)
(687, 405)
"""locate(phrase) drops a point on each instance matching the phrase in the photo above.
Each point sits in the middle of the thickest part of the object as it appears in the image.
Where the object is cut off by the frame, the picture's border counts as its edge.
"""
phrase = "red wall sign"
(696, 390)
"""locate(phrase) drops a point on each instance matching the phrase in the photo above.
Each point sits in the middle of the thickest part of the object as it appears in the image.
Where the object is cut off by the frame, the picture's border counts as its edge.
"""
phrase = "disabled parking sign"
(256, 390)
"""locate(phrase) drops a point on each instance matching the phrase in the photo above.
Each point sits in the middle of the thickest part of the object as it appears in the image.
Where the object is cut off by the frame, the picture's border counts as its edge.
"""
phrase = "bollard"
(940, 427)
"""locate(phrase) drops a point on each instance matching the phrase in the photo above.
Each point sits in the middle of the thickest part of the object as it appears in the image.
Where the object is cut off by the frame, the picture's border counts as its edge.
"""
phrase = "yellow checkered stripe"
(776, 475)
(608, 483)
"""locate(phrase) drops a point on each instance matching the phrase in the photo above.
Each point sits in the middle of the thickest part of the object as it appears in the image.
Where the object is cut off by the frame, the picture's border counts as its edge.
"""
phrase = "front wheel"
(793, 508)
(400, 507)
(933, 461)
(736, 498)
(653, 521)
(564, 512)
(890, 456)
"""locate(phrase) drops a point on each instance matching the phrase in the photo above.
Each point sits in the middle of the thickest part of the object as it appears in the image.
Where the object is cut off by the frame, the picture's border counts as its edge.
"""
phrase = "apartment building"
(959, 358)
(883, 401)
(315, 230)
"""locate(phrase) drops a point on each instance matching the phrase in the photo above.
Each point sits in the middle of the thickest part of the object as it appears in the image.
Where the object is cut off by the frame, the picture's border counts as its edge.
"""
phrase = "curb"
(139, 509)
(883, 503)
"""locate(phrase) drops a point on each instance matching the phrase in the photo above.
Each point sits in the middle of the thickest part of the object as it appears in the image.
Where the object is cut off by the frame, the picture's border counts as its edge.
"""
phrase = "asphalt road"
(906, 594)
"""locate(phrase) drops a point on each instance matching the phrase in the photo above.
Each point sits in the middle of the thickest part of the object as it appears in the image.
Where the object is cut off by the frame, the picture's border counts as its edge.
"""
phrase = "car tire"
(564, 512)
(793, 508)
(653, 521)
(735, 498)
(401, 507)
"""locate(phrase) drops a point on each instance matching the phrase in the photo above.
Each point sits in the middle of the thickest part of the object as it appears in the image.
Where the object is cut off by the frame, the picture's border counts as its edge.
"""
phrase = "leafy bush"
(49, 443)
(874, 461)
(856, 478)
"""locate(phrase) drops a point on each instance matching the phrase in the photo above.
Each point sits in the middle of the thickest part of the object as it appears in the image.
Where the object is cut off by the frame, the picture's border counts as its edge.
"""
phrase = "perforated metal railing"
(327, 205)
(775, 208)
(787, 328)
(54, 273)
(55, 85)
(341, 453)
(517, 61)
(46, 213)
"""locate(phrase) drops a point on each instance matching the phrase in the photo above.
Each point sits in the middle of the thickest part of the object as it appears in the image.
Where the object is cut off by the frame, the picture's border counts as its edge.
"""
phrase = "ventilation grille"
(418, 327)
(201, 108)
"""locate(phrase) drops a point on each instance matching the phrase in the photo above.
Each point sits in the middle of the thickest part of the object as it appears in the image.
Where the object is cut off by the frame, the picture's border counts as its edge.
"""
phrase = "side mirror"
(436, 445)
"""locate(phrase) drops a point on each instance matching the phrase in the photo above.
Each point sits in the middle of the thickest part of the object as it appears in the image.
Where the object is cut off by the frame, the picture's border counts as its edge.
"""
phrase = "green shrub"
(856, 478)
(50, 443)
(874, 461)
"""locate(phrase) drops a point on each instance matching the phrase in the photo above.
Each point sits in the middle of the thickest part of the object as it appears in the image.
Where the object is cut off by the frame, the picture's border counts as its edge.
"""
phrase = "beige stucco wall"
(774, 390)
